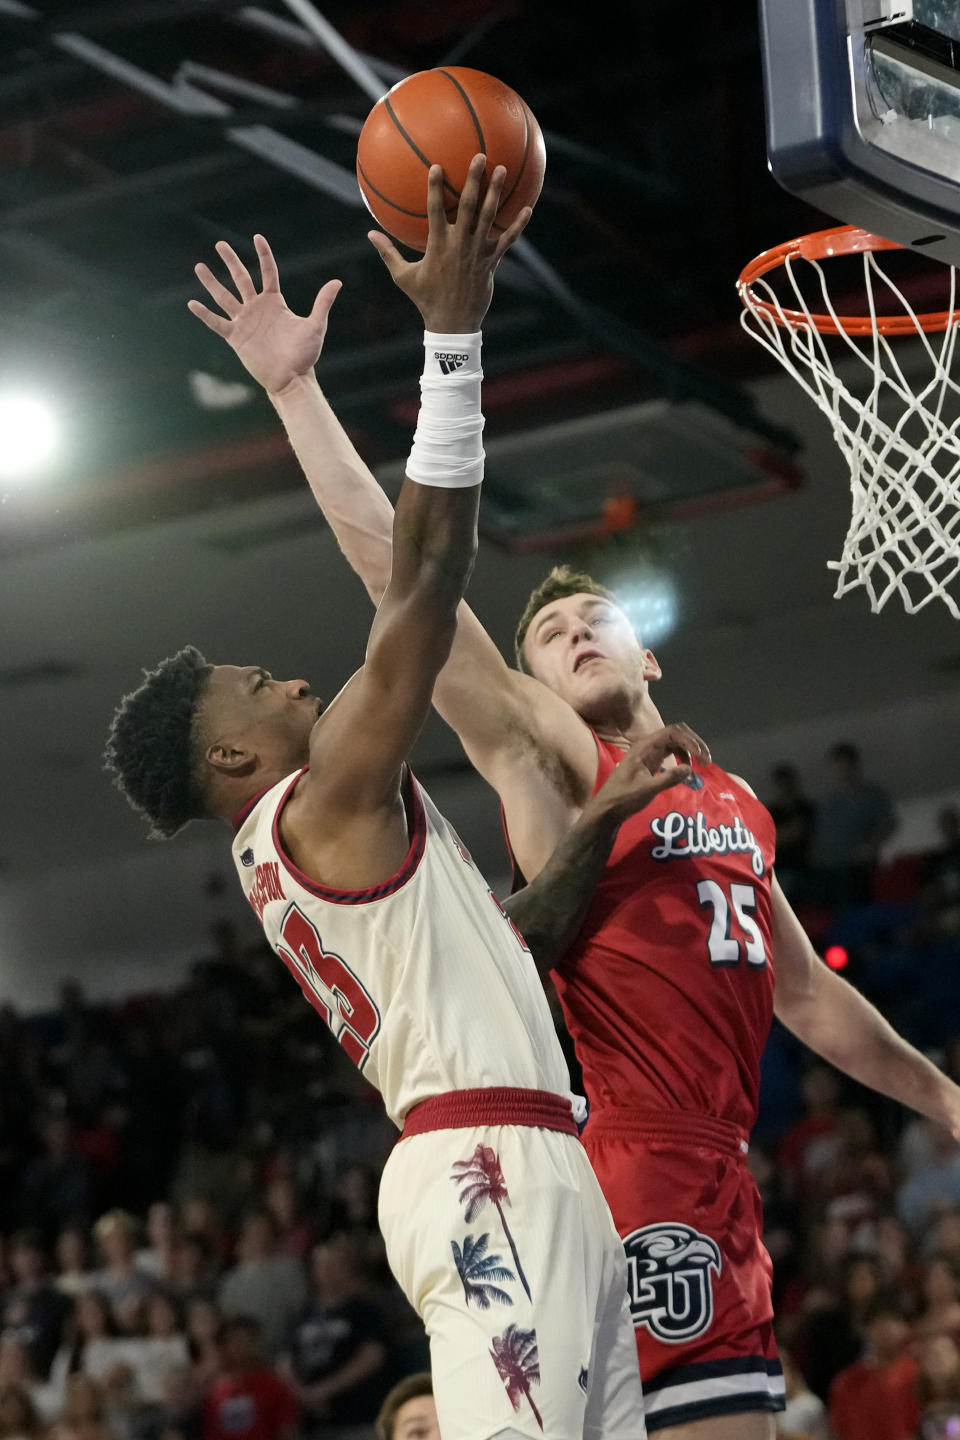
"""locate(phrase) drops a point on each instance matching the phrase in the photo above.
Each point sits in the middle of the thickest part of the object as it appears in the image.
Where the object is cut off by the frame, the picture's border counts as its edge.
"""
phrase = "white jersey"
(423, 979)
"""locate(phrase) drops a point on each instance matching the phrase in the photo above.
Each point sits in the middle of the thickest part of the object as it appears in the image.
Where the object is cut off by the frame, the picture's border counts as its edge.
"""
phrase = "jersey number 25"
(723, 947)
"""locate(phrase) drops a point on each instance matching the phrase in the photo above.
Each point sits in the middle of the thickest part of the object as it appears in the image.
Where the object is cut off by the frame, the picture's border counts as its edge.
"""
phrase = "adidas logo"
(246, 856)
(449, 360)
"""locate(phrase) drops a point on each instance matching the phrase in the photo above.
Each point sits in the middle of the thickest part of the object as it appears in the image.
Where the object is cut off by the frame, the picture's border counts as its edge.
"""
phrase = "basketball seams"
(469, 104)
(523, 163)
(416, 150)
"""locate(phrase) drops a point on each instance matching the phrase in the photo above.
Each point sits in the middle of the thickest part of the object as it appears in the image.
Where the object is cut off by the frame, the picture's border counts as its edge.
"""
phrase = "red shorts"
(688, 1212)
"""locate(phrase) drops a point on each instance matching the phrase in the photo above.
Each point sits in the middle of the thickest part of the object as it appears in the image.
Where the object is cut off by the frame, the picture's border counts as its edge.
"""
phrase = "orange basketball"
(445, 117)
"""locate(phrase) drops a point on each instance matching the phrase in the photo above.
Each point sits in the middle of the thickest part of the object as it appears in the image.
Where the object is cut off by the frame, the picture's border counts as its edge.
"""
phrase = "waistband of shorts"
(681, 1127)
(495, 1105)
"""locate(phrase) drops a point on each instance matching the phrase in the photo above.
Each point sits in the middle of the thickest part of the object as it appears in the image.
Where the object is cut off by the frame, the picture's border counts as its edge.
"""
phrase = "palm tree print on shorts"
(481, 1180)
(477, 1271)
(517, 1360)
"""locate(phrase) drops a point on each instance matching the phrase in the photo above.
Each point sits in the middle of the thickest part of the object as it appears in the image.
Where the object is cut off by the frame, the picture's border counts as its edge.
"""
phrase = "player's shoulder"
(739, 780)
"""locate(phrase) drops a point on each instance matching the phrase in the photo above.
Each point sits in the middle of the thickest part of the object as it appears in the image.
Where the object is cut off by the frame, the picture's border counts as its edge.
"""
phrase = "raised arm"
(494, 709)
(344, 823)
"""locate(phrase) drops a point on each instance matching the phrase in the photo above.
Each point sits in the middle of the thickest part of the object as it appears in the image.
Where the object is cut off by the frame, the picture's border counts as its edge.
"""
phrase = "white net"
(900, 436)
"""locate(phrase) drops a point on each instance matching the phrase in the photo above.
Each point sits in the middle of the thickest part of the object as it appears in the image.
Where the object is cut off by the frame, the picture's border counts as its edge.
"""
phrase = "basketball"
(445, 117)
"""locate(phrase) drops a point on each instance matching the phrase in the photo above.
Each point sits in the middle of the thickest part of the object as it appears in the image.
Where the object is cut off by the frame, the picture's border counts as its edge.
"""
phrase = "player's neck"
(630, 725)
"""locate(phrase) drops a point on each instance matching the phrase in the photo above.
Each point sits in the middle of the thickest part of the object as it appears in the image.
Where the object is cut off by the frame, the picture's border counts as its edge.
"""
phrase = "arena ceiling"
(135, 134)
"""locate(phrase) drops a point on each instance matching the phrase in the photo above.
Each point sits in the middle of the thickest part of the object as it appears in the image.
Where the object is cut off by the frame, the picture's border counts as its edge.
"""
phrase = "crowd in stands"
(188, 1233)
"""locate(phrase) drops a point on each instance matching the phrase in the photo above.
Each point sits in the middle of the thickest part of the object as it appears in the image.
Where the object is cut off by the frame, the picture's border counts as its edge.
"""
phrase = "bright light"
(650, 602)
(836, 957)
(29, 434)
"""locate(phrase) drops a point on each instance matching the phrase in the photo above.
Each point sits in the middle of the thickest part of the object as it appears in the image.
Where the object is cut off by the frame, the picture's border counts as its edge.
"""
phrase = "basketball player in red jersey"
(688, 947)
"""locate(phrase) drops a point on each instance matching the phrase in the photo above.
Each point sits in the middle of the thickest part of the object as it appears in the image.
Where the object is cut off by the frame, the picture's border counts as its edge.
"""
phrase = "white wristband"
(448, 443)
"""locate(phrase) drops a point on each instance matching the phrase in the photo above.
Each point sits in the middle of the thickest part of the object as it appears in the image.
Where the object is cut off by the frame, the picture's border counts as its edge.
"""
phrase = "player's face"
(417, 1420)
(245, 707)
(584, 648)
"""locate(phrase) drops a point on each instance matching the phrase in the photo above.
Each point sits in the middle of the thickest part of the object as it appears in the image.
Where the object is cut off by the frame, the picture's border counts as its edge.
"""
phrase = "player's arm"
(359, 744)
(839, 1023)
(551, 909)
(500, 715)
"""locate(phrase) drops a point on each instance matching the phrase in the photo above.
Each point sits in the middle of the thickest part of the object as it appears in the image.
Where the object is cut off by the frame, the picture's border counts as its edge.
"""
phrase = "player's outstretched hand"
(452, 285)
(275, 346)
(641, 774)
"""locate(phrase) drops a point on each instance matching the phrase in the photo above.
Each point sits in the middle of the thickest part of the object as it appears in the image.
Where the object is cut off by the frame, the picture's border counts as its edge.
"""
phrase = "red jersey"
(668, 989)
(255, 1406)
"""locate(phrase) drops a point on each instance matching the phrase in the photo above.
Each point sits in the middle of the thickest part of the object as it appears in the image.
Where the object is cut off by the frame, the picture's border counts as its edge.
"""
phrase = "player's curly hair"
(152, 747)
(563, 580)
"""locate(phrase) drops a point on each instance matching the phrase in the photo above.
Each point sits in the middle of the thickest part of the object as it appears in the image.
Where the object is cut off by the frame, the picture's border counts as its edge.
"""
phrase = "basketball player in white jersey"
(494, 1223)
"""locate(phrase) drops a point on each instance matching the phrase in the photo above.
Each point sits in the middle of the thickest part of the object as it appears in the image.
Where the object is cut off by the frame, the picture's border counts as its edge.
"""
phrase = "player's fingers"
(692, 740)
(388, 252)
(436, 215)
(666, 779)
(470, 194)
(238, 271)
(491, 201)
(512, 234)
(324, 301)
(269, 275)
(225, 298)
(213, 322)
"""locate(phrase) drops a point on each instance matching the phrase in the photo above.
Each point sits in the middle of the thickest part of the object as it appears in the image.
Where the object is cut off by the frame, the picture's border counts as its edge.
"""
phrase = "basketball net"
(899, 437)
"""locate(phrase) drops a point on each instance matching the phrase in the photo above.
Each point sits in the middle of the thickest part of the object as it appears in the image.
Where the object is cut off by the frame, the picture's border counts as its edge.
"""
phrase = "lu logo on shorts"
(670, 1269)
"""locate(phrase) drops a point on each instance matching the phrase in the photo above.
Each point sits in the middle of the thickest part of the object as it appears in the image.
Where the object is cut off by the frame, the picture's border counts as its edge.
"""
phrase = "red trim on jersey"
(246, 810)
(416, 824)
(495, 1105)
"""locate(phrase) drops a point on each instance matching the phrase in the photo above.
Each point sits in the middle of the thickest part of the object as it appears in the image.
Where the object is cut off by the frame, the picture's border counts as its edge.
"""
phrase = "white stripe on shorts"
(695, 1392)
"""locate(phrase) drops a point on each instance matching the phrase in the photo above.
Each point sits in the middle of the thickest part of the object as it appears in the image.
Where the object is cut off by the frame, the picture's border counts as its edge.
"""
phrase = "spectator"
(246, 1400)
(158, 1258)
(935, 1187)
(354, 1206)
(73, 1261)
(120, 1280)
(16, 1368)
(56, 1186)
(33, 1306)
(265, 1284)
(19, 1417)
(337, 1357)
(894, 1252)
(938, 1387)
(943, 1236)
(854, 820)
(831, 1334)
(178, 1415)
(91, 1345)
(943, 876)
(805, 1415)
(876, 1398)
(162, 1349)
(940, 1292)
(814, 1141)
(294, 1232)
(409, 1412)
(84, 1412)
(194, 1269)
(794, 816)
(204, 1324)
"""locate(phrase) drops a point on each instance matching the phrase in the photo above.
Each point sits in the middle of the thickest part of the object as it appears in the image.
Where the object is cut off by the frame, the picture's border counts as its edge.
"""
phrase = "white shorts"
(502, 1241)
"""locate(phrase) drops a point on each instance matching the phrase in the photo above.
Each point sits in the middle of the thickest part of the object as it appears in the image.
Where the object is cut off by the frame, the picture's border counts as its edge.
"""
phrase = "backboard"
(863, 113)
